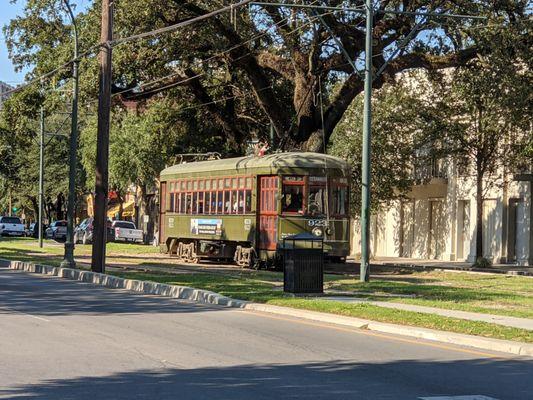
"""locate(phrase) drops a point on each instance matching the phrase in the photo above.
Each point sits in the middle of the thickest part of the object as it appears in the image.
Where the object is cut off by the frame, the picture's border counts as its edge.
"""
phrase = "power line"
(182, 24)
(47, 75)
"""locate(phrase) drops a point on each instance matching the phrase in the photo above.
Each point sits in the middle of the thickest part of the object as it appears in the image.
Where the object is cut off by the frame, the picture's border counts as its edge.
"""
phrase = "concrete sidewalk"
(429, 265)
(513, 322)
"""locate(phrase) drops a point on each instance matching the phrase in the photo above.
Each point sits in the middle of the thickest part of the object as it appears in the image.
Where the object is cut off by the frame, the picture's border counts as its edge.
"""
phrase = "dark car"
(33, 230)
(83, 233)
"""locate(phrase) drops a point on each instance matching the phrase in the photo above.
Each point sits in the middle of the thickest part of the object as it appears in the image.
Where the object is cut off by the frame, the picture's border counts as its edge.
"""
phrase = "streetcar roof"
(268, 164)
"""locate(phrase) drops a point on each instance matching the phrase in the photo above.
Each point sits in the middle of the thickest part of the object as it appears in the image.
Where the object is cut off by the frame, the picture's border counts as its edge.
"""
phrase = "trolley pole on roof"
(366, 156)
(102, 146)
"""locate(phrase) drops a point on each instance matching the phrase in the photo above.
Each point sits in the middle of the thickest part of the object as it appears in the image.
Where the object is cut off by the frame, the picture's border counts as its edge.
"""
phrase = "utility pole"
(41, 179)
(364, 275)
(102, 146)
(68, 261)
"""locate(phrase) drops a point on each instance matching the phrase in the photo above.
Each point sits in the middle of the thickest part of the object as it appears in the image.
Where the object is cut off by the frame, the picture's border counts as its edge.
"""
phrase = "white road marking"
(469, 397)
(26, 314)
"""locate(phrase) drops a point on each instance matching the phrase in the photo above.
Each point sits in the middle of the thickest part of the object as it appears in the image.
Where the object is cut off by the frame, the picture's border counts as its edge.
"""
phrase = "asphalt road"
(68, 340)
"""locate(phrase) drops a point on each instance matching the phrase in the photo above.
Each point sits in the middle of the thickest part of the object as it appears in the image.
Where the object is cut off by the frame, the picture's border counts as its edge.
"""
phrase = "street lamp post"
(71, 205)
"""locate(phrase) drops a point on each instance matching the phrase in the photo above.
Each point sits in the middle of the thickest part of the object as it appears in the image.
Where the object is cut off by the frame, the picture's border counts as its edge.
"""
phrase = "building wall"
(438, 221)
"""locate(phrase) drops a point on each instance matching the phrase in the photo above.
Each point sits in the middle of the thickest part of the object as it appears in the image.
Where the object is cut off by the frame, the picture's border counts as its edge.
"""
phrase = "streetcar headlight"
(317, 232)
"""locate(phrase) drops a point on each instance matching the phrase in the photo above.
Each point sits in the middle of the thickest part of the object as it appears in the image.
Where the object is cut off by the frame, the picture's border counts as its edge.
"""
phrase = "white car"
(11, 226)
(127, 231)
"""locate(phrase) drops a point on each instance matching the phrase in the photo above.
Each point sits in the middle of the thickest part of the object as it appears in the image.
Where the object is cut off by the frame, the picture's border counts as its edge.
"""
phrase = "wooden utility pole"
(102, 146)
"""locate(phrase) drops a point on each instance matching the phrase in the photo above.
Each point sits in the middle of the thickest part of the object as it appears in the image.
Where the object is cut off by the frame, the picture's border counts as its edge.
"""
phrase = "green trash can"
(303, 264)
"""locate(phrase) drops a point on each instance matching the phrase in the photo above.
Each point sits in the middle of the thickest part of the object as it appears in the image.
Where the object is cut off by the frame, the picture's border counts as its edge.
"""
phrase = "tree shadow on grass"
(395, 380)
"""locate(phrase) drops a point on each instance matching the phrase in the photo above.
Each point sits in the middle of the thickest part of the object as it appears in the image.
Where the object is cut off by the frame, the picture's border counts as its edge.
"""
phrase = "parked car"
(83, 233)
(11, 226)
(57, 230)
(127, 231)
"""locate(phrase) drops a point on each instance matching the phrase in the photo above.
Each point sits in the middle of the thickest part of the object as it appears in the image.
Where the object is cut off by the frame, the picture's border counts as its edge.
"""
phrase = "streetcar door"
(268, 212)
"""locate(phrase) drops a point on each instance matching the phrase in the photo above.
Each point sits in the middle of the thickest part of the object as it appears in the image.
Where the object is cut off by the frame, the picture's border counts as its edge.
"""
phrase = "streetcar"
(241, 209)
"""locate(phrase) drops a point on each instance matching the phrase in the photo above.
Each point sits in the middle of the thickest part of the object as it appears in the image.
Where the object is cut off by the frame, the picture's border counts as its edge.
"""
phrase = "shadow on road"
(24, 293)
(509, 380)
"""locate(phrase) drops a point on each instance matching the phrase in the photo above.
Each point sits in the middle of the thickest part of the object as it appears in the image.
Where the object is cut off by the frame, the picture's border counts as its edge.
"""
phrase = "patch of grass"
(253, 288)
(492, 294)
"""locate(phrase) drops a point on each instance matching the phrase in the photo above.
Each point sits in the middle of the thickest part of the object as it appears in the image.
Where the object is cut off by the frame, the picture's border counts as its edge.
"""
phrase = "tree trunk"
(479, 209)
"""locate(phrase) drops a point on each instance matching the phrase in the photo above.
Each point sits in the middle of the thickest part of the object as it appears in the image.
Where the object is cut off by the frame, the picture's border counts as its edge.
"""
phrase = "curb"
(208, 297)
(113, 282)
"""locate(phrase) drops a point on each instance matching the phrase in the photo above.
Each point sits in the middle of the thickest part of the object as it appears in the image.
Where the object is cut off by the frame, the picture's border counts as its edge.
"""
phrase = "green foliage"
(142, 144)
(400, 117)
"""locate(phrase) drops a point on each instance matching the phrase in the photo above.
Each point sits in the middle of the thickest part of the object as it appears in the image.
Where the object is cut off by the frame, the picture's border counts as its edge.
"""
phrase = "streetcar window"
(207, 202)
(170, 207)
(227, 183)
(208, 184)
(240, 208)
(182, 203)
(188, 203)
(248, 183)
(292, 199)
(227, 203)
(339, 200)
(201, 184)
(220, 203)
(194, 203)
(248, 201)
(201, 201)
(213, 203)
(316, 200)
(235, 202)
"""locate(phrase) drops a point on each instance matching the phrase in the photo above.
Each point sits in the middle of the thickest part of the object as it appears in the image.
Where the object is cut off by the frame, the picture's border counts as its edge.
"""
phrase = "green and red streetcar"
(242, 208)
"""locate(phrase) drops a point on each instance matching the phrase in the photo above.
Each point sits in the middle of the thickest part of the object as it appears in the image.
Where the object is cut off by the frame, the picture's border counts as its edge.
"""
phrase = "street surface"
(68, 340)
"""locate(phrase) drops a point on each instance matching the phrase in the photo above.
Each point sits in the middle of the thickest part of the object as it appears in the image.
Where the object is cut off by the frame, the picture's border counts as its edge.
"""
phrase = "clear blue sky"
(7, 12)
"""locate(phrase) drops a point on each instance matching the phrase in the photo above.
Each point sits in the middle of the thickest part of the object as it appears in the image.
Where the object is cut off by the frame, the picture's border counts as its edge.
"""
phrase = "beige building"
(437, 220)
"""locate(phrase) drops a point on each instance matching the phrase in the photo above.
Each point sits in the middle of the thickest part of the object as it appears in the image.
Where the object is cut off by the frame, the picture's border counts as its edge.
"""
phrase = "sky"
(7, 72)
(9, 11)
